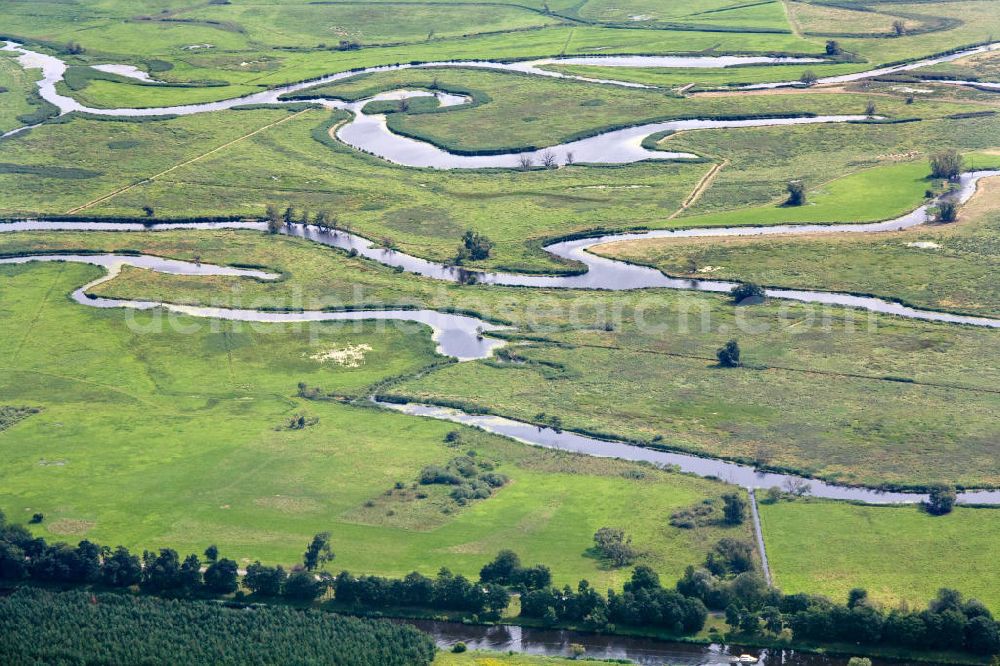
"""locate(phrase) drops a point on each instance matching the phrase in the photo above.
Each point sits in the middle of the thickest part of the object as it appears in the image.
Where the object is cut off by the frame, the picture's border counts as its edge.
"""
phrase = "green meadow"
(899, 554)
(152, 431)
(177, 439)
(786, 410)
(942, 266)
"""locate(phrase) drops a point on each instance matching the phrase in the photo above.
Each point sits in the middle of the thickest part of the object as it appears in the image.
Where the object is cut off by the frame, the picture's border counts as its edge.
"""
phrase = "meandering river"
(371, 134)
(461, 336)
(601, 272)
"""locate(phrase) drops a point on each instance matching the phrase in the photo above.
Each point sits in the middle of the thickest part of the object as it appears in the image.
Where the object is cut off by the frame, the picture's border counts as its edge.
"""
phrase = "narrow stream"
(601, 272)
(371, 134)
(734, 473)
(458, 336)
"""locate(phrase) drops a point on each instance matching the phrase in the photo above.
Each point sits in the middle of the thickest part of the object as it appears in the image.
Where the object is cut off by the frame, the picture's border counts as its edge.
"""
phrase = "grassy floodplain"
(943, 266)
(185, 433)
(896, 553)
(124, 433)
(784, 417)
(274, 156)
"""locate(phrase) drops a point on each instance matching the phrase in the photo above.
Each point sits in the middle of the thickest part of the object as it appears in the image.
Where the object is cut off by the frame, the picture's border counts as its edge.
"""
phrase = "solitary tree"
(212, 553)
(475, 247)
(729, 355)
(524, 162)
(940, 500)
(870, 109)
(796, 193)
(898, 28)
(946, 164)
(615, 545)
(274, 220)
(549, 159)
(748, 293)
(318, 552)
(832, 47)
(947, 211)
(735, 508)
(222, 576)
(808, 77)
(857, 597)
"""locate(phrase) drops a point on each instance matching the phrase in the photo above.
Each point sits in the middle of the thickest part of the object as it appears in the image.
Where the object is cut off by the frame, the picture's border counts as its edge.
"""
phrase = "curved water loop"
(371, 134)
(601, 273)
(459, 336)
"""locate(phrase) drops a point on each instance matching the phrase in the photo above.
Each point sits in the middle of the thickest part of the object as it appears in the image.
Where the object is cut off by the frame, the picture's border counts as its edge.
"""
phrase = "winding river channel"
(370, 132)
(462, 336)
(601, 272)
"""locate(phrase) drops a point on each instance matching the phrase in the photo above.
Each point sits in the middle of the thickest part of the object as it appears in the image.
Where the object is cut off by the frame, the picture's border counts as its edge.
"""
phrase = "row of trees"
(753, 608)
(277, 218)
(446, 591)
(644, 602)
(24, 556)
(728, 581)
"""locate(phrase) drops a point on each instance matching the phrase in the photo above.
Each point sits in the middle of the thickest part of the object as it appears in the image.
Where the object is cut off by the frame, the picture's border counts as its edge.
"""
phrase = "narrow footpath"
(759, 534)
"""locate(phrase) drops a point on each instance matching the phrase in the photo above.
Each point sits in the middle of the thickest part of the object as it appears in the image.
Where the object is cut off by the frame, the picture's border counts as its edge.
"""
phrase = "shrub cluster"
(472, 479)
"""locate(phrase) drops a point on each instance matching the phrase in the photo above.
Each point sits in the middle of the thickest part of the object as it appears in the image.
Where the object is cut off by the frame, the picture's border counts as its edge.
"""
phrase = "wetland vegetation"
(157, 430)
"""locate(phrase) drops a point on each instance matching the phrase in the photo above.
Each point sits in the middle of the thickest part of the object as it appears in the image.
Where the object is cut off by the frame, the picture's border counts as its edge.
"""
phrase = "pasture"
(899, 554)
(185, 429)
(151, 431)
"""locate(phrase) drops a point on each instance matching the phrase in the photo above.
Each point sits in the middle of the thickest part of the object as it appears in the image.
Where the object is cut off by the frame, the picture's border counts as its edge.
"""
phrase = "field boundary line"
(785, 368)
(38, 314)
(700, 187)
(793, 22)
(107, 387)
(152, 178)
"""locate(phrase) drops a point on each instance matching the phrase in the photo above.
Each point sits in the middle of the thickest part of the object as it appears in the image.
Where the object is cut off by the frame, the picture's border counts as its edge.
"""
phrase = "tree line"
(727, 581)
(164, 572)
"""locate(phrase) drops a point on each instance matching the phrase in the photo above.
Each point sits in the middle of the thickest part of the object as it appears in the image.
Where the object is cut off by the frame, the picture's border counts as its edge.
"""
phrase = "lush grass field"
(173, 438)
(762, 160)
(982, 66)
(297, 25)
(426, 211)
(707, 78)
(16, 84)
(714, 13)
(899, 554)
(535, 112)
(423, 211)
(946, 267)
(819, 420)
